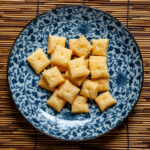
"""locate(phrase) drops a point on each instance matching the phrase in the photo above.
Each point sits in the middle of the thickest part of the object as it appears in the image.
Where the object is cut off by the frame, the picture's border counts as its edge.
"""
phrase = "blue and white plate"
(124, 63)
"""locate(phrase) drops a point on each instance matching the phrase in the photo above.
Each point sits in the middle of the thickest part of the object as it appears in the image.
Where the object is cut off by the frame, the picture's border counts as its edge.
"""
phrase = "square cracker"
(53, 77)
(81, 47)
(80, 105)
(61, 56)
(105, 100)
(98, 67)
(100, 47)
(53, 41)
(43, 84)
(68, 91)
(103, 84)
(38, 60)
(56, 102)
(78, 67)
(89, 89)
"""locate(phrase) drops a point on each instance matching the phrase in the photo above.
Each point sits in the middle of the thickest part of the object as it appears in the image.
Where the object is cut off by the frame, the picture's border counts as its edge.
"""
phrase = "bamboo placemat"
(17, 133)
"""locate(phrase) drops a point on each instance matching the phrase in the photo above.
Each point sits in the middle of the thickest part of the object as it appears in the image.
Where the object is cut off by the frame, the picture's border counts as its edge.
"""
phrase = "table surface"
(17, 133)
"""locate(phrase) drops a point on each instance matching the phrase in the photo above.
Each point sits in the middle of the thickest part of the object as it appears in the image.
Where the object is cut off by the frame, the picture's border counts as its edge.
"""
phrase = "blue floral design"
(121, 79)
(124, 64)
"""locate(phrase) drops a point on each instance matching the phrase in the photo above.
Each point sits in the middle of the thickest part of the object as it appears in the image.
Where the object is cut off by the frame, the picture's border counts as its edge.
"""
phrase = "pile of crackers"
(74, 74)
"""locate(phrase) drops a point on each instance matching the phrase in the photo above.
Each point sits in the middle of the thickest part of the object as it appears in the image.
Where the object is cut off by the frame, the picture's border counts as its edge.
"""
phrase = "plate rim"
(129, 112)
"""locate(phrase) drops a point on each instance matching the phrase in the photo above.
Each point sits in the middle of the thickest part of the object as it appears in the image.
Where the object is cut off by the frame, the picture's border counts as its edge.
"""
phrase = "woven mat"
(17, 133)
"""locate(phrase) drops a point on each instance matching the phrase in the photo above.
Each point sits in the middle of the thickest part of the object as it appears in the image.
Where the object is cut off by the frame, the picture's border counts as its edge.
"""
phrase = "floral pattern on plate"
(123, 59)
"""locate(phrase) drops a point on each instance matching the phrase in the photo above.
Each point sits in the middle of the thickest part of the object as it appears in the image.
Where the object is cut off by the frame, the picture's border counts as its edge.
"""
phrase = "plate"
(123, 59)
